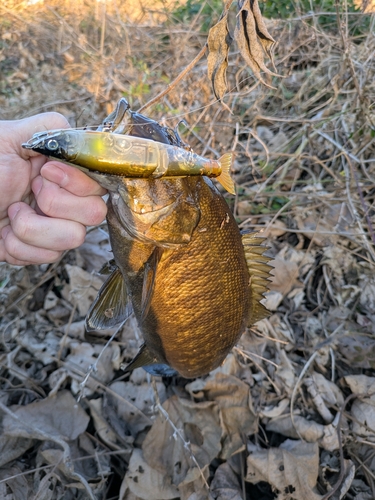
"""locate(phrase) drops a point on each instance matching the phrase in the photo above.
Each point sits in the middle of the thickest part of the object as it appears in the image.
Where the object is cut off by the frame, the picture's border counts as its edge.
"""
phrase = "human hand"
(44, 205)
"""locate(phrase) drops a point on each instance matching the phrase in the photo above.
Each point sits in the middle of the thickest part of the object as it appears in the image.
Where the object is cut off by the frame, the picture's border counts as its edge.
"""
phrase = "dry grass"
(305, 169)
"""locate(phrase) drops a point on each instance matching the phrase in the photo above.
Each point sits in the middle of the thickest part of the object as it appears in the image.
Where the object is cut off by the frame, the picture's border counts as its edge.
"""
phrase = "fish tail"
(225, 178)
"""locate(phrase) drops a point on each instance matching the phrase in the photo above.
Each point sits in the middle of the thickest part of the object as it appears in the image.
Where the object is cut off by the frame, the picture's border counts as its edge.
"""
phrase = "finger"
(15, 252)
(71, 179)
(44, 232)
(59, 203)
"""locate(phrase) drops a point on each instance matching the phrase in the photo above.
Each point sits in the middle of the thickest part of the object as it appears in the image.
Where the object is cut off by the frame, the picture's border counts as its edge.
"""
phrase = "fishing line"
(187, 113)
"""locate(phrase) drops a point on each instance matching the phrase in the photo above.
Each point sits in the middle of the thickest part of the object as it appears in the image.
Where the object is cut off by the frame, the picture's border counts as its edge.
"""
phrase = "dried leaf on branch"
(219, 40)
(253, 40)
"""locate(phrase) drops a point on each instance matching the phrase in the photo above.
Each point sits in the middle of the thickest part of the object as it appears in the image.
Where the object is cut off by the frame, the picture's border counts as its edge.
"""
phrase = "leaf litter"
(289, 415)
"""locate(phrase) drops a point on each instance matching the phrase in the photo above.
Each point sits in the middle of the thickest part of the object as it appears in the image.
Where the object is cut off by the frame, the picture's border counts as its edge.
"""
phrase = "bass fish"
(129, 156)
(193, 281)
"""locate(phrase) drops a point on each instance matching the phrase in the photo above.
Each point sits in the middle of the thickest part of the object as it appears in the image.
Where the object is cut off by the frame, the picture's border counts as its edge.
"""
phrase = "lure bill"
(129, 156)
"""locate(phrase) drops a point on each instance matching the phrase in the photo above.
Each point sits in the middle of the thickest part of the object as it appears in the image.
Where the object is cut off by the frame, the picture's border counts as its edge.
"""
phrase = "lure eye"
(52, 144)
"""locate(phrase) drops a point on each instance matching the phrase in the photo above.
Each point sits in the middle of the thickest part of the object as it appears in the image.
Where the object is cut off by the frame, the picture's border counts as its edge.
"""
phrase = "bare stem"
(176, 81)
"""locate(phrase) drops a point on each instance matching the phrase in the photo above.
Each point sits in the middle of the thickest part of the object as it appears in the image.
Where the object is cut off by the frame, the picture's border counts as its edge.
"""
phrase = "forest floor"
(290, 414)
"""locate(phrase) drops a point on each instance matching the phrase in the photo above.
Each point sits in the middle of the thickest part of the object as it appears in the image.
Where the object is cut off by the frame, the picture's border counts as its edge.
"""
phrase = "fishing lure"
(129, 156)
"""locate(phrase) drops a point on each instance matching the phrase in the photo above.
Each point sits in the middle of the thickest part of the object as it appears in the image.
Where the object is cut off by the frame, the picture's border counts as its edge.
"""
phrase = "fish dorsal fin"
(146, 360)
(111, 306)
(149, 281)
(259, 271)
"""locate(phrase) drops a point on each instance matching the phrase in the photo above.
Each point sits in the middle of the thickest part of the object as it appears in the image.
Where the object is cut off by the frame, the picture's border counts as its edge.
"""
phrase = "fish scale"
(212, 281)
(200, 300)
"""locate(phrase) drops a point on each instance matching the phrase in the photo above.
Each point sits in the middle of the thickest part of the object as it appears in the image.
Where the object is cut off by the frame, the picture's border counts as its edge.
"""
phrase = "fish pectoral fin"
(259, 271)
(111, 306)
(149, 275)
(225, 178)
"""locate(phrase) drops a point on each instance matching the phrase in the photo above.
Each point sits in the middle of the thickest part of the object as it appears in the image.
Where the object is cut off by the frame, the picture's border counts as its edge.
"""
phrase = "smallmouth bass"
(182, 266)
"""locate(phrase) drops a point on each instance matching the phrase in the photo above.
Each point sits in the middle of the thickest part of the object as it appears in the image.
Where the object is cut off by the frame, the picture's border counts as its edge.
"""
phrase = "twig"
(304, 371)
(176, 432)
(176, 81)
(341, 451)
(94, 366)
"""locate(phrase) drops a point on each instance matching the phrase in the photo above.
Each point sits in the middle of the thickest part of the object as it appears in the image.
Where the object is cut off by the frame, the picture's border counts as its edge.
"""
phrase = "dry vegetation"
(290, 415)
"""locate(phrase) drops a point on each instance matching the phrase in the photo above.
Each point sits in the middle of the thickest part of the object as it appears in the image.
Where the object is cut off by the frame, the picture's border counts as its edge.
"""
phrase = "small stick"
(177, 80)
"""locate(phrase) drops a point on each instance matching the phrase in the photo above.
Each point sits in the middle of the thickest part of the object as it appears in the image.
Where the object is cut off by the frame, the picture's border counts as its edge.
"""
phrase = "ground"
(290, 413)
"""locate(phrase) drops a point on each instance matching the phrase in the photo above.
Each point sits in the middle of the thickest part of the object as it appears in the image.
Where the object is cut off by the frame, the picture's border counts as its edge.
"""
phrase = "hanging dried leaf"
(219, 40)
(253, 38)
(264, 36)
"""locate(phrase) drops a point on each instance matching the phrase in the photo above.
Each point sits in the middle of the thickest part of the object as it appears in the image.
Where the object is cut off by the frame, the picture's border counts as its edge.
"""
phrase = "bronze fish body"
(193, 281)
(192, 289)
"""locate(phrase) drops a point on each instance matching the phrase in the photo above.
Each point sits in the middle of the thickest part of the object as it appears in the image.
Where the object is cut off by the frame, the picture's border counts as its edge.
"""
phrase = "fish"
(195, 291)
(129, 156)
(193, 281)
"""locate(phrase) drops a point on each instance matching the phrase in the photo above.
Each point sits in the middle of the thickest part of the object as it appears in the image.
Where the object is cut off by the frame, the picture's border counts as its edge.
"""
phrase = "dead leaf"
(82, 288)
(275, 411)
(199, 423)
(104, 430)
(357, 350)
(134, 404)
(44, 351)
(285, 375)
(219, 40)
(60, 416)
(146, 482)
(193, 487)
(14, 481)
(329, 391)
(285, 276)
(83, 355)
(225, 484)
(12, 448)
(361, 385)
(362, 409)
(234, 400)
(292, 469)
(253, 38)
(307, 429)
(96, 250)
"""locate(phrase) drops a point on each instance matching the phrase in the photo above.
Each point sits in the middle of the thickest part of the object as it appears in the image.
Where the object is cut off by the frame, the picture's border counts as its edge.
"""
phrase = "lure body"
(129, 156)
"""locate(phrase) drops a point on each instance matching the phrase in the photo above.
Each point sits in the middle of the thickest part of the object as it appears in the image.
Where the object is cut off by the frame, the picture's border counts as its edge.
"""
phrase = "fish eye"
(52, 144)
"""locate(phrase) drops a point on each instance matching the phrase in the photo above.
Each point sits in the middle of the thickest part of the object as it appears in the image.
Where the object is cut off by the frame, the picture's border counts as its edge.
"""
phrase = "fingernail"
(54, 174)
(13, 210)
(5, 231)
(37, 185)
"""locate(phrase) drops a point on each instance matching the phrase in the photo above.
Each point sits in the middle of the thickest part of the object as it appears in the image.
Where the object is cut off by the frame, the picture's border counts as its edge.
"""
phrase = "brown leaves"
(253, 40)
(219, 40)
(165, 452)
(293, 467)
